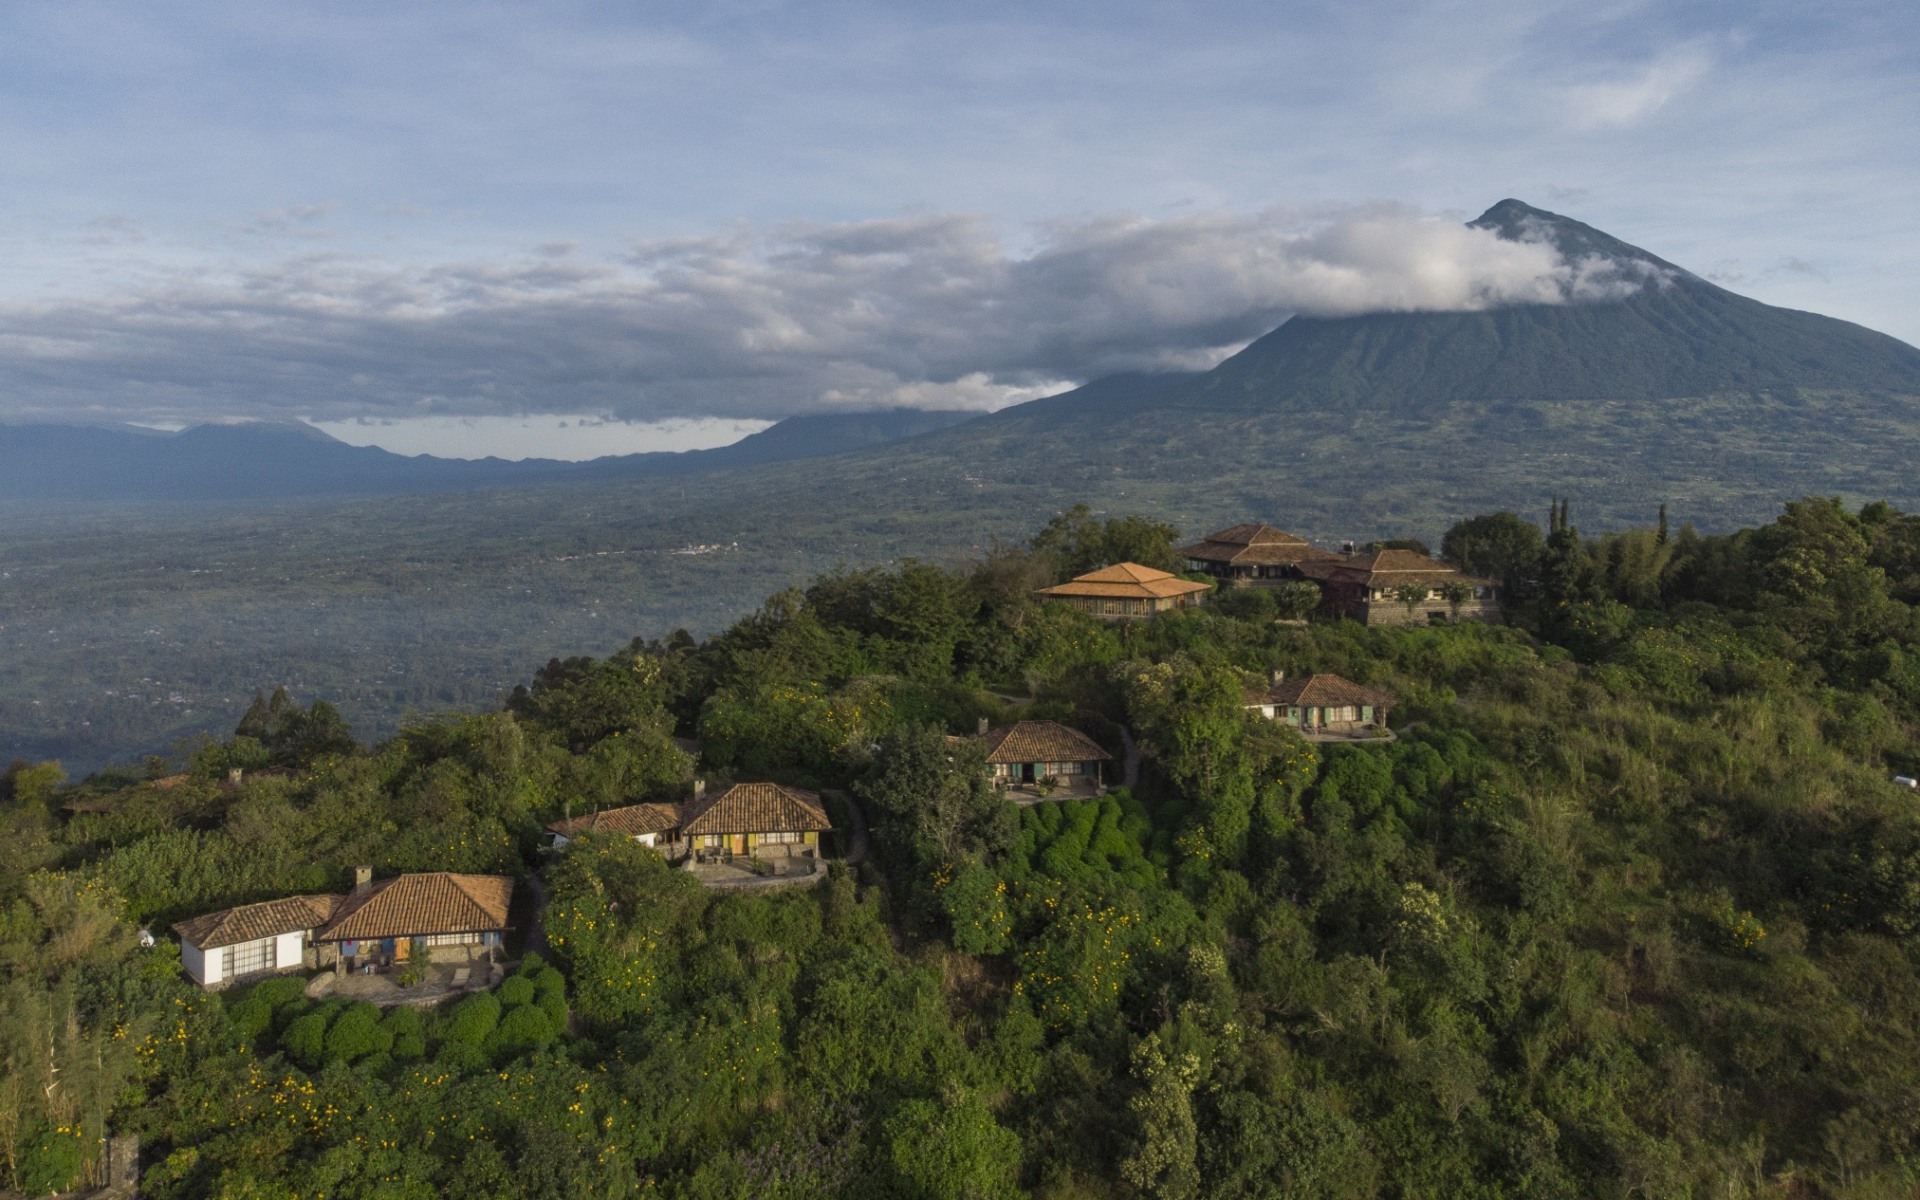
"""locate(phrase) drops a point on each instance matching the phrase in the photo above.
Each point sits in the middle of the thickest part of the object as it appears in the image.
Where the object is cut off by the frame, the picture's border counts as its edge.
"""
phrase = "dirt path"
(536, 940)
(857, 836)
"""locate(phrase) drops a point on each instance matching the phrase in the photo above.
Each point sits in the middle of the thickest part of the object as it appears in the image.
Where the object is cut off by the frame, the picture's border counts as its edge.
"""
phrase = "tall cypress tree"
(1563, 581)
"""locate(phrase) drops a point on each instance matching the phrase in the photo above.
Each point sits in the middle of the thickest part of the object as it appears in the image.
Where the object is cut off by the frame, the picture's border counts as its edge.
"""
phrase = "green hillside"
(1630, 906)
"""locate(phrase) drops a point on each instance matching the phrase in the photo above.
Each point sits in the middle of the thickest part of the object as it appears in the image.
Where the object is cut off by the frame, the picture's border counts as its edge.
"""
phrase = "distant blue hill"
(269, 460)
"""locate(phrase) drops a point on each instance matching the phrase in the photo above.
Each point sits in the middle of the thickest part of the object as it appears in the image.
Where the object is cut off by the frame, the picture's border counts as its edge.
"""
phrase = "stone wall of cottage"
(1393, 612)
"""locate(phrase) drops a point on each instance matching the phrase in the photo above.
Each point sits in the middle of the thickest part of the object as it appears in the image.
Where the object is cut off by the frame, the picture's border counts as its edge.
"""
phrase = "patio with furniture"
(438, 983)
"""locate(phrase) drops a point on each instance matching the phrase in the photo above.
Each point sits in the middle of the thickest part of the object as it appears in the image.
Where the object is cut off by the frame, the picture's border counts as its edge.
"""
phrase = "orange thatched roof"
(755, 808)
(630, 821)
(1387, 568)
(251, 922)
(1316, 691)
(1041, 741)
(1254, 546)
(418, 905)
(1125, 581)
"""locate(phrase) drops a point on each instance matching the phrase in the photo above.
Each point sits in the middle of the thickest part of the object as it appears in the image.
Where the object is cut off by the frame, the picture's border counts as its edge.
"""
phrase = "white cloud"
(930, 311)
(571, 437)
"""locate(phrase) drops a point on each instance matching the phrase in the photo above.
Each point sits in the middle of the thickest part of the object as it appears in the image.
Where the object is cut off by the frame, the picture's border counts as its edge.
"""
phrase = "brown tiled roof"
(1127, 581)
(755, 808)
(1387, 568)
(416, 905)
(1314, 691)
(1254, 545)
(629, 821)
(1041, 741)
(251, 922)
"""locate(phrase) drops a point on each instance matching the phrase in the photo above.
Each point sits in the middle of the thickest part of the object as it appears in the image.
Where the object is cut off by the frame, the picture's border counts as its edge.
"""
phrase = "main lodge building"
(1376, 587)
(1252, 554)
(1366, 587)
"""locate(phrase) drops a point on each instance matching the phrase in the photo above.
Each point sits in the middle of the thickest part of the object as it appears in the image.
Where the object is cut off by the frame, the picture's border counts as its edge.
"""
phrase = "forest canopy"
(1628, 905)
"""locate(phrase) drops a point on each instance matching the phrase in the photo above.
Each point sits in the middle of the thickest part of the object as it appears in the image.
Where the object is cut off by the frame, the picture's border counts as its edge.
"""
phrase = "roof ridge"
(1253, 533)
(1323, 687)
(763, 791)
(1048, 735)
(230, 926)
(1131, 571)
(415, 896)
(460, 881)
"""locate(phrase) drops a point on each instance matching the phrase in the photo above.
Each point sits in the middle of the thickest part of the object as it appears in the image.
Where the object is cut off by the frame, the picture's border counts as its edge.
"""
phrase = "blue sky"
(387, 212)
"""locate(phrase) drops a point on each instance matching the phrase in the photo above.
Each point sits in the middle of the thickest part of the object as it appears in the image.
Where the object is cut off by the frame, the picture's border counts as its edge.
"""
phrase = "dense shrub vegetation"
(1629, 907)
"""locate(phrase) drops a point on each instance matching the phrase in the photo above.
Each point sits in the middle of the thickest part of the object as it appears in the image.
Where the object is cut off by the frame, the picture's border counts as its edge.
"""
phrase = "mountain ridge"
(272, 459)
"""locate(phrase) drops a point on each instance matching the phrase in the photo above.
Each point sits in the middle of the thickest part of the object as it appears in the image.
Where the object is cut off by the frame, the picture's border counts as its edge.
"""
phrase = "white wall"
(207, 967)
(195, 964)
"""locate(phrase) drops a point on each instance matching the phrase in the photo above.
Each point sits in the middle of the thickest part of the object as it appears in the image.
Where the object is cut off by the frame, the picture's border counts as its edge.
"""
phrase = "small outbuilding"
(217, 948)
(648, 824)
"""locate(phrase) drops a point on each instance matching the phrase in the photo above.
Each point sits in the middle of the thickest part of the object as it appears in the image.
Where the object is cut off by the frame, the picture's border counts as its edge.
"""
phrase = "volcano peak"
(1518, 221)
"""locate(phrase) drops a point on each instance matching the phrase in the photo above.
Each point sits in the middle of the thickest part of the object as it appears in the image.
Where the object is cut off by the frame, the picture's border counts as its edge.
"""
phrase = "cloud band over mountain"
(932, 311)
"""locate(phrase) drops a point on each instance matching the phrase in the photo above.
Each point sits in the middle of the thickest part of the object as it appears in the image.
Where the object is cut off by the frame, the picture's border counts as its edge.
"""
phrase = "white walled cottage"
(253, 939)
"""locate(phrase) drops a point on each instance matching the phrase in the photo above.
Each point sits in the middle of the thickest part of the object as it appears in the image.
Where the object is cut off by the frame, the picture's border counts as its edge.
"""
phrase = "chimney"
(983, 727)
(1346, 547)
(234, 774)
(699, 789)
(362, 879)
(1279, 677)
(123, 1165)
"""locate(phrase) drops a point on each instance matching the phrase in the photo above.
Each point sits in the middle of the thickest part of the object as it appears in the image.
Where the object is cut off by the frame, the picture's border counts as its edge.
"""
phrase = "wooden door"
(402, 948)
(739, 843)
